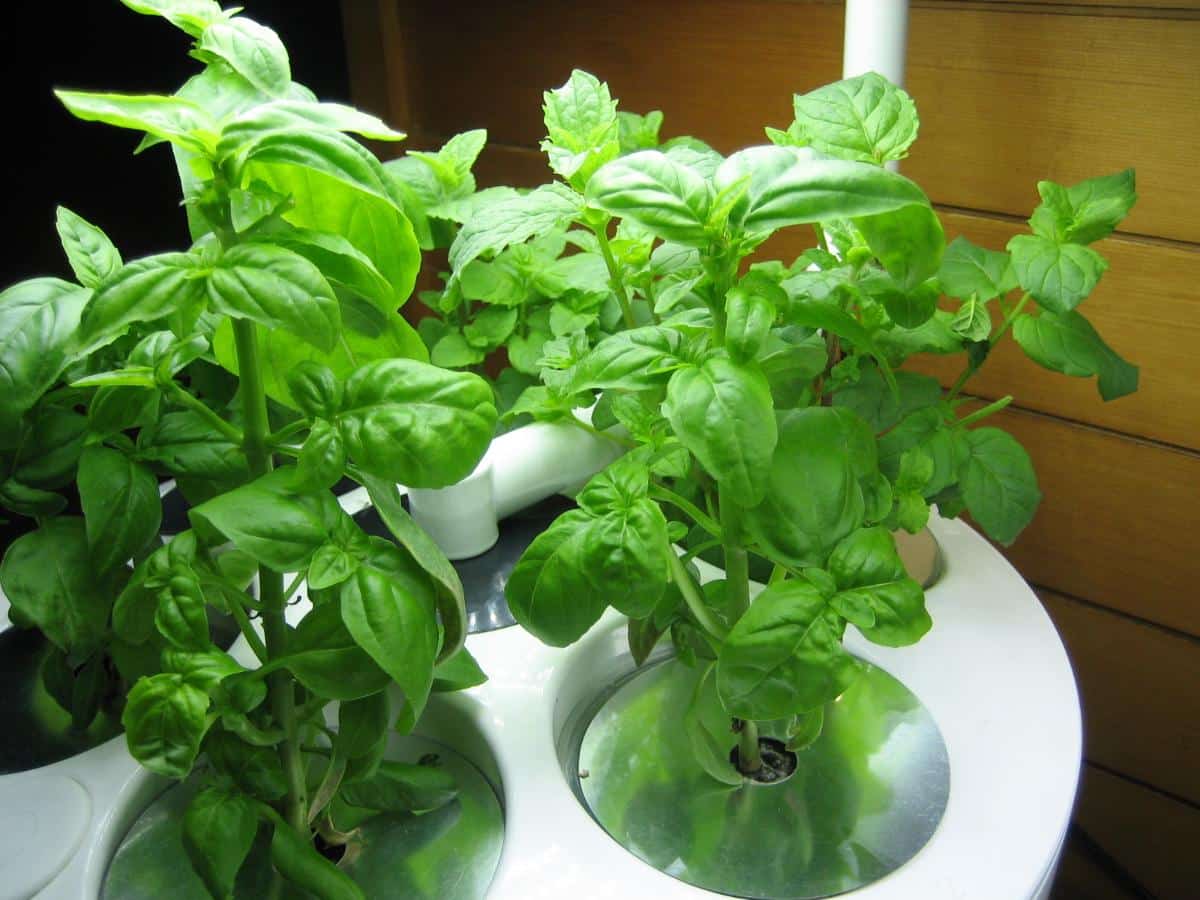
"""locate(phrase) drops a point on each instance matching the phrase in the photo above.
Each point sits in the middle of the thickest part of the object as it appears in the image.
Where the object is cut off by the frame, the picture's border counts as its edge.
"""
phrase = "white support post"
(876, 38)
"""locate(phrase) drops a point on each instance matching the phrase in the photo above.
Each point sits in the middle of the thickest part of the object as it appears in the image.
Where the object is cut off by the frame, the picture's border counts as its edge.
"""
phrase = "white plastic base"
(992, 672)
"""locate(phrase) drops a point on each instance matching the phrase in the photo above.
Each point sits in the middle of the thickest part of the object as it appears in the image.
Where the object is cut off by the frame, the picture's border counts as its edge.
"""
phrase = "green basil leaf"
(330, 565)
(710, 745)
(323, 153)
(865, 118)
(629, 360)
(871, 399)
(637, 132)
(276, 288)
(871, 578)
(457, 673)
(999, 484)
(668, 198)
(723, 414)
(926, 429)
(1058, 276)
(324, 657)
(181, 616)
(252, 50)
(50, 454)
(813, 495)
(218, 830)
(1084, 212)
(549, 591)
(514, 219)
(388, 607)
(908, 241)
(92, 256)
(171, 119)
(784, 656)
(402, 787)
(165, 721)
(454, 351)
(581, 124)
(362, 724)
(491, 327)
(316, 391)
(272, 519)
(38, 319)
(748, 319)
(416, 424)
(970, 270)
(30, 501)
(145, 290)
(452, 610)
(973, 321)
(788, 187)
(192, 16)
(120, 505)
(1067, 343)
(323, 456)
(204, 669)
(185, 444)
(258, 771)
(49, 579)
(299, 114)
(910, 308)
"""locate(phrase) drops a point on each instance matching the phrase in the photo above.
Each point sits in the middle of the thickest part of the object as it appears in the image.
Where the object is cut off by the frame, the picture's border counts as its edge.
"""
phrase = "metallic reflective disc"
(485, 576)
(37, 731)
(448, 854)
(866, 796)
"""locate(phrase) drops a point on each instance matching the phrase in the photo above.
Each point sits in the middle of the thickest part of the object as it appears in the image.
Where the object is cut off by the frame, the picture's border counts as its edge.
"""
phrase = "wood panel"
(1118, 521)
(1027, 96)
(1022, 96)
(1147, 307)
(1141, 713)
(1150, 835)
(1080, 878)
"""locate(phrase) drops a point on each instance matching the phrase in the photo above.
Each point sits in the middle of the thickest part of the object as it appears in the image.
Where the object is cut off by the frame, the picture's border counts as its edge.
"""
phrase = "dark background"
(50, 158)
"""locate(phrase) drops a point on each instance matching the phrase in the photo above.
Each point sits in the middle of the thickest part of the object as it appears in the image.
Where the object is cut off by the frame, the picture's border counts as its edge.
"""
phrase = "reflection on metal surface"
(37, 731)
(448, 854)
(866, 796)
(485, 576)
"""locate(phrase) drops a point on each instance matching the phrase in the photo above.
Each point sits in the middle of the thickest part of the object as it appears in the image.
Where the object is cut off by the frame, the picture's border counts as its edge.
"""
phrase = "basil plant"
(772, 428)
(300, 260)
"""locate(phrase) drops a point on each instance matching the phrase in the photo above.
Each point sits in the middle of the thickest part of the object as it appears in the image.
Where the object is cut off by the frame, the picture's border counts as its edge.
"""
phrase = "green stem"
(973, 366)
(737, 561)
(270, 583)
(297, 580)
(985, 411)
(665, 495)
(614, 274)
(286, 432)
(749, 757)
(247, 630)
(693, 598)
(183, 398)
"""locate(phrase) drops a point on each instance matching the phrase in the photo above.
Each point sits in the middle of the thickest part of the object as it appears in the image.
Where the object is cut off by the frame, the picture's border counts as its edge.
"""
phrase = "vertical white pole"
(876, 38)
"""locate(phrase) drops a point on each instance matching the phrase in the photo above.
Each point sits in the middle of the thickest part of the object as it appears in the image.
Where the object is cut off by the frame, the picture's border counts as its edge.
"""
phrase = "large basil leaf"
(1058, 276)
(636, 359)
(276, 288)
(50, 581)
(865, 118)
(513, 219)
(252, 50)
(362, 724)
(272, 518)
(874, 590)
(999, 484)
(666, 197)
(155, 287)
(38, 319)
(722, 412)
(970, 270)
(788, 187)
(402, 788)
(218, 831)
(813, 496)
(185, 444)
(784, 656)
(871, 399)
(325, 658)
(451, 602)
(120, 505)
(165, 721)
(171, 119)
(416, 424)
(92, 256)
(388, 607)
(581, 127)
(1084, 212)
(1067, 343)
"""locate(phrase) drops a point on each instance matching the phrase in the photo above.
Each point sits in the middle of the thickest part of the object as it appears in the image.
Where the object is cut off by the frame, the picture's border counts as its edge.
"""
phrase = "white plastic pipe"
(876, 38)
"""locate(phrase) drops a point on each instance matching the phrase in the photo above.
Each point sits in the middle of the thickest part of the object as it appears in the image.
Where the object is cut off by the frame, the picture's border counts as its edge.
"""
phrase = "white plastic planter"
(993, 673)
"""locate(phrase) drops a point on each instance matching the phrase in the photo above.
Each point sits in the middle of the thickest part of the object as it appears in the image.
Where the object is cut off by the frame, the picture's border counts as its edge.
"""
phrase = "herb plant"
(772, 423)
(301, 258)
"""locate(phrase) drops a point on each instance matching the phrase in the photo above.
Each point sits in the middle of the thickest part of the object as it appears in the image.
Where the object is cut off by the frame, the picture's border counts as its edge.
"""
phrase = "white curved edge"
(875, 38)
